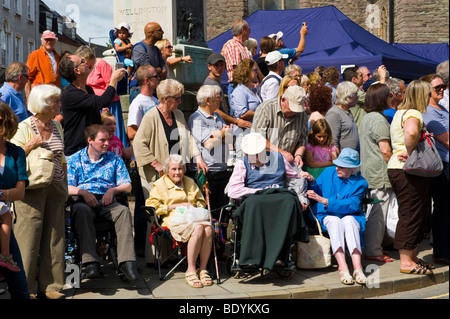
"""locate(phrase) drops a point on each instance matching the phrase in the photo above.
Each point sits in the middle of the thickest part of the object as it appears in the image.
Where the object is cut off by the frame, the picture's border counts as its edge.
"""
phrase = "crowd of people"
(332, 142)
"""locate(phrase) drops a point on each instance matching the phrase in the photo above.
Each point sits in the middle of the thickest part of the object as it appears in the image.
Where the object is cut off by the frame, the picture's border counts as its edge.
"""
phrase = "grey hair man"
(16, 77)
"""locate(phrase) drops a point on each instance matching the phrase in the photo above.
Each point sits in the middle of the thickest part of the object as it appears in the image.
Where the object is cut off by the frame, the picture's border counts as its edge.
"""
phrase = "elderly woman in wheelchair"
(273, 196)
(172, 197)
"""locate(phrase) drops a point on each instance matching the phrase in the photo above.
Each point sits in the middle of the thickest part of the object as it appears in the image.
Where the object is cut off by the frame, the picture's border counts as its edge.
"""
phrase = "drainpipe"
(391, 21)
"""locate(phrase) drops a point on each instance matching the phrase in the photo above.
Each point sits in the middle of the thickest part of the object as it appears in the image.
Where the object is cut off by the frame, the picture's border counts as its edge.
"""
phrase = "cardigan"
(150, 142)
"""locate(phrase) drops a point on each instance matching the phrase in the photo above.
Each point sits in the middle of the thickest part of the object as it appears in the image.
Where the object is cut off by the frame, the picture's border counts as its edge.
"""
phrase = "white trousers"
(341, 231)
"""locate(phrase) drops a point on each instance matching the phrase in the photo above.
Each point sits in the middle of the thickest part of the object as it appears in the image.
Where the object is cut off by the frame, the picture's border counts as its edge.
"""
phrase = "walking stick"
(206, 190)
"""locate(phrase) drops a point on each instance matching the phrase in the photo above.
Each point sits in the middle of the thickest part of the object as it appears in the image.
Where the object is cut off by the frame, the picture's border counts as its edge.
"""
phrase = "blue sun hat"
(348, 158)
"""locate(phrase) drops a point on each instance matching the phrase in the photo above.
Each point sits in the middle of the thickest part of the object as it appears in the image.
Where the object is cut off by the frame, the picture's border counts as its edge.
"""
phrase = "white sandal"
(346, 279)
(359, 277)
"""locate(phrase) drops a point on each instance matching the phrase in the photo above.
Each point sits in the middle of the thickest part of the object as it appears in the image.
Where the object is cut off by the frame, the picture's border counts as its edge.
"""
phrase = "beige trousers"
(39, 231)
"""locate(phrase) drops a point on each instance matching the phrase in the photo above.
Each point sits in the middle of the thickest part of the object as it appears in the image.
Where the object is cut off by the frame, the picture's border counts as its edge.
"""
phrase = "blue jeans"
(17, 281)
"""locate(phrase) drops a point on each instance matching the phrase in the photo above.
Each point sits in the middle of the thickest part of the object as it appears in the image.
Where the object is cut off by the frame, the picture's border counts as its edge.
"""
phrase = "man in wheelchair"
(270, 213)
(96, 175)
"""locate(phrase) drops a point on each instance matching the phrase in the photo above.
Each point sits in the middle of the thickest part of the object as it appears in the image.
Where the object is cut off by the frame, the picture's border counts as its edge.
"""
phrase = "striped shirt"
(55, 145)
(287, 134)
(234, 52)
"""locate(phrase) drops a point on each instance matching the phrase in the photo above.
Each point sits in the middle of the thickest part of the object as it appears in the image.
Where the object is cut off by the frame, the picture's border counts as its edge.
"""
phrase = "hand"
(201, 165)
(288, 156)
(117, 75)
(158, 167)
(312, 195)
(187, 59)
(108, 197)
(304, 30)
(304, 207)
(382, 72)
(243, 123)
(403, 156)
(298, 160)
(89, 198)
(308, 177)
(36, 141)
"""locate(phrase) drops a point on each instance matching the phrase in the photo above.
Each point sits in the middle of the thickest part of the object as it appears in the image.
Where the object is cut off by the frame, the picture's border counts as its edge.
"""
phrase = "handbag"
(317, 253)
(40, 168)
(424, 160)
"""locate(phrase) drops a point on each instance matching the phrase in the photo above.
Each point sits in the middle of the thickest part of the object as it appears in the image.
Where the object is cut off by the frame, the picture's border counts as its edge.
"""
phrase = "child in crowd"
(6, 259)
(122, 43)
(115, 145)
(320, 152)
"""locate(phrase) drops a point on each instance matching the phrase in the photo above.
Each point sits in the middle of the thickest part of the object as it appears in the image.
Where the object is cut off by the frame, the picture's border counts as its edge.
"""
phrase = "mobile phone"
(119, 65)
(304, 23)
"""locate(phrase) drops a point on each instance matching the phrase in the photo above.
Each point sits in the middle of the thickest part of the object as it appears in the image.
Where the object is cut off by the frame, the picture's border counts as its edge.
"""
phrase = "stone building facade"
(414, 21)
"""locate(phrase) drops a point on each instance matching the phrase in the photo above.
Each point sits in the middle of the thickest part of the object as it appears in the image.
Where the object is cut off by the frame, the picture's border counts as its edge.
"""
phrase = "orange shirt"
(40, 68)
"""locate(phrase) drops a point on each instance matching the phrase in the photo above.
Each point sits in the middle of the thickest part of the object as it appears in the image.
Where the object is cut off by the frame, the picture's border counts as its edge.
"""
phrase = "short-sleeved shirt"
(436, 122)
(96, 177)
(140, 105)
(343, 127)
(374, 129)
(271, 86)
(201, 125)
(234, 52)
(144, 54)
(242, 99)
(15, 101)
(286, 134)
(398, 135)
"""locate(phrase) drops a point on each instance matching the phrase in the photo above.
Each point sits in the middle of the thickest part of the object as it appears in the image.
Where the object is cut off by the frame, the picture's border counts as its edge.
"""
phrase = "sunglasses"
(439, 87)
(169, 47)
(83, 61)
(176, 98)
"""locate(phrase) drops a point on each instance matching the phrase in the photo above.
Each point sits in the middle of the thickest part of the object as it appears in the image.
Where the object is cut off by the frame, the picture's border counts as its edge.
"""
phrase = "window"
(30, 47)
(254, 5)
(18, 6)
(5, 45)
(5, 3)
(18, 50)
(2, 48)
(49, 20)
(60, 25)
(30, 10)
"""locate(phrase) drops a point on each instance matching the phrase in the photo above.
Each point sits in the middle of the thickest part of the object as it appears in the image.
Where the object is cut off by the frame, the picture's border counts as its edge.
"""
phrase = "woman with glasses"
(167, 50)
(343, 127)
(436, 120)
(164, 131)
(411, 190)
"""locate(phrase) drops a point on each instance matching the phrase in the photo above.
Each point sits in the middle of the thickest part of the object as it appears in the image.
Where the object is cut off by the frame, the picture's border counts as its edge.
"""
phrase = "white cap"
(276, 36)
(275, 56)
(296, 96)
(253, 143)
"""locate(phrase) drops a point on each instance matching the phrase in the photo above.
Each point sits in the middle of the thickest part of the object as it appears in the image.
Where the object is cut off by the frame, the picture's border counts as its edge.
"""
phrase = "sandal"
(9, 263)
(381, 258)
(192, 280)
(205, 278)
(359, 277)
(346, 279)
(418, 270)
(425, 264)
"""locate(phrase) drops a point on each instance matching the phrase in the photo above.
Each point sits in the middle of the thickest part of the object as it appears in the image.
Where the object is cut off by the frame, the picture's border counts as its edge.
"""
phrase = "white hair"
(41, 96)
(442, 70)
(169, 87)
(291, 68)
(344, 90)
(175, 159)
(207, 91)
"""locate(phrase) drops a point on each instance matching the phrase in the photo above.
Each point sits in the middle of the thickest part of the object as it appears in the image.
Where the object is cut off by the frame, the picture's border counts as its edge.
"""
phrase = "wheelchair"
(179, 252)
(284, 269)
(106, 239)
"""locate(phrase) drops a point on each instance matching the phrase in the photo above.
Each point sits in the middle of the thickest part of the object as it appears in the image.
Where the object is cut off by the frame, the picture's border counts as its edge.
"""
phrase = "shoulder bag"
(425, 160)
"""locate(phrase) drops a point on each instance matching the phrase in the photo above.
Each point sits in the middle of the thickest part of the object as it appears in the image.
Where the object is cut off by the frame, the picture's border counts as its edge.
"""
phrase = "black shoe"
(128, 268)
(92, 270)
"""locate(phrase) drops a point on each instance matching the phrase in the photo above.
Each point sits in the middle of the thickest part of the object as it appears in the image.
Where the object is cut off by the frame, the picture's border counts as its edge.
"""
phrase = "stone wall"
(415, 21)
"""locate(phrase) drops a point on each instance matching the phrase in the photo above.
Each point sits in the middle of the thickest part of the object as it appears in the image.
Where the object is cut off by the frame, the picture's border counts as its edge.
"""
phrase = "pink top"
(99, 78)
(321, 154)
(115, 145)
(236, 185)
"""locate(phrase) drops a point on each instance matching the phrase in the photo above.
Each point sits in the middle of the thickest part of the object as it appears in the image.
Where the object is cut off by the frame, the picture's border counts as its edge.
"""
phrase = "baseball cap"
(296, 97)
(276, 36)
(47, 34)
(275, 56)
(214, 57)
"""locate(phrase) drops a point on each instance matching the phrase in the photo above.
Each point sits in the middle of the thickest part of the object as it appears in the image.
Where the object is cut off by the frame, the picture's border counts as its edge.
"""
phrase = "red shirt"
(234, 52)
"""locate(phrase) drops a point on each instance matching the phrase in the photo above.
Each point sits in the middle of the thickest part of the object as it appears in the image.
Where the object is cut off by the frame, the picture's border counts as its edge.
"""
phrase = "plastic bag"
(186, 215)
(392, 216)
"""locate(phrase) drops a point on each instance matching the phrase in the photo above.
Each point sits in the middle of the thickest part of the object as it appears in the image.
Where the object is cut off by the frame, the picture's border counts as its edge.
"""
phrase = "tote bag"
(424, 160)
(40, 167)
(316, 254)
